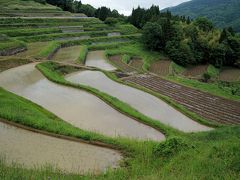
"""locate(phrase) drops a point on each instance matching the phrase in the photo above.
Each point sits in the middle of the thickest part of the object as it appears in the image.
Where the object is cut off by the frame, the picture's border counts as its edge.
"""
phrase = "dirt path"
(211, 107)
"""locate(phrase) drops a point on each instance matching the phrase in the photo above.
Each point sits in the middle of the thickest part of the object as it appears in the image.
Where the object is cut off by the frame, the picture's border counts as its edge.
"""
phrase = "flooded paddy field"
(145, 103)
(32, 150)
(77, 107)
(98, 59)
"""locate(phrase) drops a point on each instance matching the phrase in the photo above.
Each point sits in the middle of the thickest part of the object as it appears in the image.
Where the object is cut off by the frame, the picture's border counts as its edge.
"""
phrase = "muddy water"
(98, 59)
(74, 106)
(68, 54)
(32, 149)
(143, 102)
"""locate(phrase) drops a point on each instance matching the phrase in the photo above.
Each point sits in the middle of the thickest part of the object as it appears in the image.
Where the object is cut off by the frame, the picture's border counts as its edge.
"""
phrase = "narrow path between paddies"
(97, 59)
(33, 150)
(68, 54)
(77, 107)
(145, 103)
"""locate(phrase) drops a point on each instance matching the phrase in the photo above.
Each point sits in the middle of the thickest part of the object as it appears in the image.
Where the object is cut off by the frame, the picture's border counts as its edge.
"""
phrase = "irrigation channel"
(77, 107)
(33, 150)
(145, 103)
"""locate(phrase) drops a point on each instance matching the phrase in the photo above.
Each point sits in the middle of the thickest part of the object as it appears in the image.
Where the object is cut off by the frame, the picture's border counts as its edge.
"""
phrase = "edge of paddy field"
(47, 69)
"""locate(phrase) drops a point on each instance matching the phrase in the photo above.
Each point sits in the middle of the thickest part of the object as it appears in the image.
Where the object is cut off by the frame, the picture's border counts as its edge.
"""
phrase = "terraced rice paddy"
(196, 71)
(230, 74)
(77, 107)
(210, 107)
(143, 102)
(34, 150)
(68, 54)
(97, 59)
(117, 61)
(160, 68)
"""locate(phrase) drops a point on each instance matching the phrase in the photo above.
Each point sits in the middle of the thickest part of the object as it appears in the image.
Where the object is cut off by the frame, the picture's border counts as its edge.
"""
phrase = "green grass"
(176, 69)
(212, 71)
(136, 49)
(11, 44)
(207, 155)
(50, 48)
(29, 32)
(83, 54)
(126, 58)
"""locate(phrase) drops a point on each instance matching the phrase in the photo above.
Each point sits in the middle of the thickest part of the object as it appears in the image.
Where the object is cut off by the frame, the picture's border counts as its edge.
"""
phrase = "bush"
(206, 77)
(170, 147)
(126, 58)
(153, 36)
(111, 21)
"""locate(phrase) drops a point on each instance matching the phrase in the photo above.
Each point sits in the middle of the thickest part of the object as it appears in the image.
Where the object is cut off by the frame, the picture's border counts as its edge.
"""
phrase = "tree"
(180, 53)
(204, 24)
(111, 21)
(153, 36)
(102, 13)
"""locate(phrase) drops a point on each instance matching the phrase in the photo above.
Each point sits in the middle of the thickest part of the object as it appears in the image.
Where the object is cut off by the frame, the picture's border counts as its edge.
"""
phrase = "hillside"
(29, 8)
(223, 13)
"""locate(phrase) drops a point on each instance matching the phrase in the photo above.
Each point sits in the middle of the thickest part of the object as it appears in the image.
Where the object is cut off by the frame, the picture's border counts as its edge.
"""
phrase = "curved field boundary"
(69, 138)
(203, 104)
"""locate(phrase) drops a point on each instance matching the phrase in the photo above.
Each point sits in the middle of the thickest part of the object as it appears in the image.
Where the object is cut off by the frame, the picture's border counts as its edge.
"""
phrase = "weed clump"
(170, 147)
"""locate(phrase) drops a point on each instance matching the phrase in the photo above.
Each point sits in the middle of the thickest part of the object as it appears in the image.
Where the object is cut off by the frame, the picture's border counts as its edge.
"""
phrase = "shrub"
(206, 77)
(126, 58)
(111, 21)
(170, 147)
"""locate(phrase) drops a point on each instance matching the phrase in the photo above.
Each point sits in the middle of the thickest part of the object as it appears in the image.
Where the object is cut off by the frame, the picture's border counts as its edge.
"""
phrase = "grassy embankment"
(211, 155)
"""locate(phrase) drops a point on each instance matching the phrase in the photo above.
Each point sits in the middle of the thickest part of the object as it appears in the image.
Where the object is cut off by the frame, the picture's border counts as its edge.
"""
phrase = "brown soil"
(230, 75)
(203, 104)
(160, 68)
(11, 63)
(196, 71)
(117, 61)
(136, 63)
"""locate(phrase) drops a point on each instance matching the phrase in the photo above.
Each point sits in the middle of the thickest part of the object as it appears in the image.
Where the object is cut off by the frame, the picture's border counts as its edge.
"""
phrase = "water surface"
(98, 59)
(32, 149)
(77, 107)
(145, 103)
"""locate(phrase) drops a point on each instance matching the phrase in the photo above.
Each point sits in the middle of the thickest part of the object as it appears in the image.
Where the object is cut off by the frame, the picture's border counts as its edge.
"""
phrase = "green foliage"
(153, 36)
(111, 21)
(206, 77)
(49, 49)
(212, 71)
(83, 54)
(170, 147)
(126, 58)
(204, 24)
(223, 13)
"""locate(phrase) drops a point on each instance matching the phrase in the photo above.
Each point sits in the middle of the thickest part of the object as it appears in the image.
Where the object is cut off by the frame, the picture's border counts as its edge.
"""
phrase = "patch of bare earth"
(117, 61)
(6, 64)
(136, 63)
(210, 107)
(160, 67)
(230, 74)
(196, 71)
